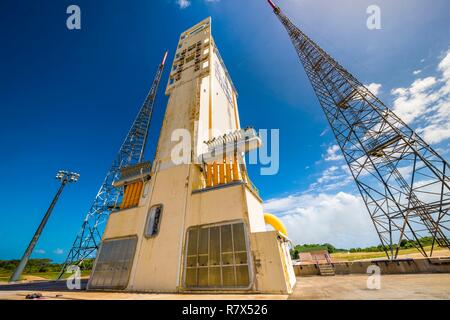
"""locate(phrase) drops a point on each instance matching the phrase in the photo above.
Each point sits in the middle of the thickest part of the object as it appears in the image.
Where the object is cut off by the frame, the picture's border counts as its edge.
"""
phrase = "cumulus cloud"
(183, 4)
(332, 178)
(58, 251)
(444, 66)
(416, 72)
(334, 153)
(328, 175)
(374, 88)
(425, 104)
(340, 219)
(40, 251)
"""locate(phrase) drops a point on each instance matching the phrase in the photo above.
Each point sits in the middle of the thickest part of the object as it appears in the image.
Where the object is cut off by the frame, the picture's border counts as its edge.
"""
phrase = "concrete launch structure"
(192, 221)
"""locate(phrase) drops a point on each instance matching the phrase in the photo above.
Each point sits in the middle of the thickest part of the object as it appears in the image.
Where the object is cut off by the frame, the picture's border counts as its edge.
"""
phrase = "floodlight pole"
(65, 178)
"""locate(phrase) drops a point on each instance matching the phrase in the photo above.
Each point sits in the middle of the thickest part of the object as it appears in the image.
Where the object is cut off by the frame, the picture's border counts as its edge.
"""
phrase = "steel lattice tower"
(130, 153)
(403, 181)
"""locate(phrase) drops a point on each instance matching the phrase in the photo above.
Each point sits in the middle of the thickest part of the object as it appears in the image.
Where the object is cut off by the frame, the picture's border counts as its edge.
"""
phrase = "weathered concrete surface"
(354, 287)
(404, 266)
(341, 287)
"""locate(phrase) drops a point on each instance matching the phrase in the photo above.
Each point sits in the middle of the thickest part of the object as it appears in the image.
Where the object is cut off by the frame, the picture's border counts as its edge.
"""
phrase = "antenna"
(274, 6)
(130, 153)
(376, 145)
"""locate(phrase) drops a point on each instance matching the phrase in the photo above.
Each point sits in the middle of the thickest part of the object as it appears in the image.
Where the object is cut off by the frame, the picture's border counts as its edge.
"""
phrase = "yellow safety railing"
(132, 195)
(222, 173)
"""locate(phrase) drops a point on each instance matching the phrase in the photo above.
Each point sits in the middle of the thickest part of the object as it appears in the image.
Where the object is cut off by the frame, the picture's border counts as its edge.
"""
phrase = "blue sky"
(67, 98)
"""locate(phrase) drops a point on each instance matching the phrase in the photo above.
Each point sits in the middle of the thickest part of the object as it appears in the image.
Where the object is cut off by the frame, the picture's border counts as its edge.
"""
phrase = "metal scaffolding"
(108, 197)
(403, 181)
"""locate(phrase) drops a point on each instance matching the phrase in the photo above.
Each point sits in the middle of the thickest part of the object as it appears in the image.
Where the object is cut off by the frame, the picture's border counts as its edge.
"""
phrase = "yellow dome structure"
(275, 222)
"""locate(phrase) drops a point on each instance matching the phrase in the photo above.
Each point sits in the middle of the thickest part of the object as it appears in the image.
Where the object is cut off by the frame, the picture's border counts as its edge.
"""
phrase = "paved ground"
(398, 287)
(40, 285)
(412, 286)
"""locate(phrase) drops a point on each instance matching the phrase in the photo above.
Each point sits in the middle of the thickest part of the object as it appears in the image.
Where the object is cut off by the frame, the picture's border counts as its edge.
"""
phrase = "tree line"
(404, 244)
(39, 265)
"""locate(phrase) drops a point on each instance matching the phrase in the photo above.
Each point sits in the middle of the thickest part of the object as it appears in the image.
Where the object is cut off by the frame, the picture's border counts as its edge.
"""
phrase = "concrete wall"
(433, 265)
(223, 117)
(255, 212)
(167, 187)
(217, 205)
(269, 264)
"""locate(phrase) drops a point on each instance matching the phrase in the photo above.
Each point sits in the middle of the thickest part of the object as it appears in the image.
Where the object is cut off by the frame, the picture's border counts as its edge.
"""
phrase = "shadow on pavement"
(52, 285)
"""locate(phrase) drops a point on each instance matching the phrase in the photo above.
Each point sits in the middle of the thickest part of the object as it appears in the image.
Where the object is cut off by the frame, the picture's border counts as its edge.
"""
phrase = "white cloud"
(183, 4)
(416, 72)
(58, 251)
(332, 178)
(334, 153)
(340, 219)
(437, 132)
(40, 251)
(374, 88)
(328, 175)
(425, 104)
(406, 171)
(421, 85)
(444, 66)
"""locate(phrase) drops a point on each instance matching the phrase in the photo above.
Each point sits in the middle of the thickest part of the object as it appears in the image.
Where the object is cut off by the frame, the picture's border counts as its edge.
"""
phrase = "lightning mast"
(130, 153)
(403, 181)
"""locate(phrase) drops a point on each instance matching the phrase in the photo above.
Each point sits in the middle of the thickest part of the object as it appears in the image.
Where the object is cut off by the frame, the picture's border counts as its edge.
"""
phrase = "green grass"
(4, 278)
(352, 256)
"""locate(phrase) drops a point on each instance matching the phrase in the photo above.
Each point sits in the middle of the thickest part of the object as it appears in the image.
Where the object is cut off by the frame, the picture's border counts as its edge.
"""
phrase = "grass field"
(410, 253)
